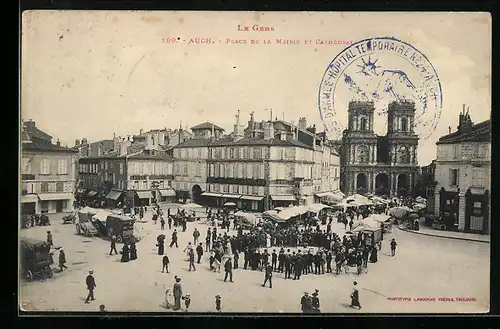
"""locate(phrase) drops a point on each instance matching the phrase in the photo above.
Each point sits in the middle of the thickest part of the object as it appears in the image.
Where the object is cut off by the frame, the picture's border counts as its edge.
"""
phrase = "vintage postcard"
(283, 162)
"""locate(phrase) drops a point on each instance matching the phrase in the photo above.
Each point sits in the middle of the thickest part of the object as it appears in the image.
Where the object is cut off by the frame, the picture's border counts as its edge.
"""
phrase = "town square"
(179, 177)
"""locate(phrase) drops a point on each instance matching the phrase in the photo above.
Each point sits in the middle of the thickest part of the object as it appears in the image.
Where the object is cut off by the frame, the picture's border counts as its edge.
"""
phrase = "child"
(217, 303)
(168, 296)
(187, 301)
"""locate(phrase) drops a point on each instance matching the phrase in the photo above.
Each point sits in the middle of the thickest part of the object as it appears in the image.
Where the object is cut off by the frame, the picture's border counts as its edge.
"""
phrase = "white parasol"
(229, 204)
(399, 212)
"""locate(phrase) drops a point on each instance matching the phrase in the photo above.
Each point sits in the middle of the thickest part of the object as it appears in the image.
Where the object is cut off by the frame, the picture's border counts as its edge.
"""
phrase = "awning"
(251, 197)
(231, 196)
(55, 196)
(283, 197)
(211, 194)
(91, 193)
(144, 194)
(317, 207)
(29, 198)
(113, 195)
(167, 192)
(324, 194)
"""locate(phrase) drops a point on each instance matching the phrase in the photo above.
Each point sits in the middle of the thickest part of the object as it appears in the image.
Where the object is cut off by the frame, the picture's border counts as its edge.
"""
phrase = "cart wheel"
(27, 224)
(119, 239)
(29, 276)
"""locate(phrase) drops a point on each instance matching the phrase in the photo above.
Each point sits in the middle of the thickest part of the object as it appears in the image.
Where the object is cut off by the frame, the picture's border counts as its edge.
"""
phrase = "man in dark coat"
(165, 262)
(62, 260)
(174, 239)
(329, 262)
(393, 247)
(90, 281)
(169, 219)
(281, 261)
(306, 303)
(196, 235)
(113, 245)
(228, 268)
(199, 252)
(236, 257)
(246, 258)
(298, 267)
(191, 260)
(268, 276)
(274, 259)
(49, 239)
(162, 223)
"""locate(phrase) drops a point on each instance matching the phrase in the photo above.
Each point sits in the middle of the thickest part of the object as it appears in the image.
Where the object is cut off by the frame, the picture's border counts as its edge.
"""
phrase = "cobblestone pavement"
(424, 266)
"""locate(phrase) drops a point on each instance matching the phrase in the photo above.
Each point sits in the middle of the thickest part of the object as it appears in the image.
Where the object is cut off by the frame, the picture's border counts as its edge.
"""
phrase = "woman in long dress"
(355, 296)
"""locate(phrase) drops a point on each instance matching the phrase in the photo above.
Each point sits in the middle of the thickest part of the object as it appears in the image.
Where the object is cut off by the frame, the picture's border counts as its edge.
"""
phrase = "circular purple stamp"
(382, 70)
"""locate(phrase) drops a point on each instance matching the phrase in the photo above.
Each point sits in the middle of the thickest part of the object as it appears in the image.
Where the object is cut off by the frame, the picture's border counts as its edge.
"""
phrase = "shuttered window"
(453, 177)
(44, 167)
(477, 177)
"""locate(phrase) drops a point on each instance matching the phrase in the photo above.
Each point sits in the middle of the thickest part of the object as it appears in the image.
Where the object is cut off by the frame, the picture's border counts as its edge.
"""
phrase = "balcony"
(27, 177)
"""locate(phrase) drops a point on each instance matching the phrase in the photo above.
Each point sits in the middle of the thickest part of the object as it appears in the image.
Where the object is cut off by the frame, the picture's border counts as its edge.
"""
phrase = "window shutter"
(450, 177)
(458, 177)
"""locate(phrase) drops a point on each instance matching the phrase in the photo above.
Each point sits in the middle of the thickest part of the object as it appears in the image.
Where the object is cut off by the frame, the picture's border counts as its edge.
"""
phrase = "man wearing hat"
(315, 301)
(177, 293)
(218, 303)
(393, 247)
(90, 281)
(62, 259)
(49, 239)
(305, 303)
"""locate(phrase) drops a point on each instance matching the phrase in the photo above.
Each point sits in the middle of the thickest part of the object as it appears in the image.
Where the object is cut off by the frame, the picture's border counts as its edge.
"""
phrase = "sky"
(89, 74)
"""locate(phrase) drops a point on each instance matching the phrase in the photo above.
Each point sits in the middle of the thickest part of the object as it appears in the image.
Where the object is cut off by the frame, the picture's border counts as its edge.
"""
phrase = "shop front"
(228, 199)
(51, 203)
(210, 199)
(282, 200)
(143, 198)
(252, 203)
(28, 204)
(114, 197)
(166, 195)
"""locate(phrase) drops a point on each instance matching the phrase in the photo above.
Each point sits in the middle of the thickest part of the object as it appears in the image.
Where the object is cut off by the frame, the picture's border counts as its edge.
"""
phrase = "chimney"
(77, 142)
(141, 131)
(238, 129)
(302, 123)
(449, 130)
(268, 130)
(116, 142)
(283, 135)
(29, 125)
(122, 148)
(58, 143)
(99, 152)
(84, 141)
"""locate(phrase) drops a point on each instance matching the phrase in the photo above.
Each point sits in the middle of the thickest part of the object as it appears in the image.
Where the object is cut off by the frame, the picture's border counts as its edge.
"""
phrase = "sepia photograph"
(255, 162)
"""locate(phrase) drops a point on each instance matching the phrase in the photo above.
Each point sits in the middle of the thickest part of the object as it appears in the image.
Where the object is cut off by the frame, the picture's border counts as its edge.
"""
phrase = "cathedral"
(382, 165)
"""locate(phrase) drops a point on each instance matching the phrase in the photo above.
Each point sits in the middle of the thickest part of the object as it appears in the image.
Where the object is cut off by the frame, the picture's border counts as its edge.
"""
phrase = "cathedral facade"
(382, 165)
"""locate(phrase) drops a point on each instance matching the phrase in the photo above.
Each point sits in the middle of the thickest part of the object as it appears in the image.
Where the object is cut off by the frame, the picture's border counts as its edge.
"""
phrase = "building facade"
(47, 173)
(462, 173)
(269, 164)
(135, 174)
(190, 161)
(382, 165)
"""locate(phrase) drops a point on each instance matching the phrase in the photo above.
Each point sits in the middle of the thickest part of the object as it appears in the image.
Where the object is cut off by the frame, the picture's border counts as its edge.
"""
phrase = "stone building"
(134, 174)
(268, 164)
(383, 165)
(190, 161)
(463, 176)
(47, 173)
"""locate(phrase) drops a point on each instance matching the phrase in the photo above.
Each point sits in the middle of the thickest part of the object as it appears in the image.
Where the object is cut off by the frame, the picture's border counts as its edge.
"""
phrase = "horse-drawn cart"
(35, 259)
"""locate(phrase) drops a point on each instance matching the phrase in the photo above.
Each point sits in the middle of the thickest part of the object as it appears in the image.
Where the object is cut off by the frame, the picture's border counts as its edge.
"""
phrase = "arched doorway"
(196, 193)
(382, 184)
(403, 184)
(361, 183)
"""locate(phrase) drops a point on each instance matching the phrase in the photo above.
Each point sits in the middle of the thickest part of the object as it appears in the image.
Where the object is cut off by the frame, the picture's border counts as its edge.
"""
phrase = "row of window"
(182, 169)
(45, 166)
(245, 152)
(236, 189)
(48, 187)
(93, 168)
(143, 185)
(188, 153)
(236, 170)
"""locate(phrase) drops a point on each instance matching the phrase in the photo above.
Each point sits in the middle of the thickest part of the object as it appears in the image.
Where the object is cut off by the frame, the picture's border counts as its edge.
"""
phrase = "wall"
(149, 167)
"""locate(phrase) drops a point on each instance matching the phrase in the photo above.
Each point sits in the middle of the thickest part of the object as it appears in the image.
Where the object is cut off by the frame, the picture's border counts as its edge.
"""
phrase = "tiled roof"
(480, 132)
(207, 125)
(160, 155)
(35, 132)
(255, 141)
(197, 142)
(42, 145)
